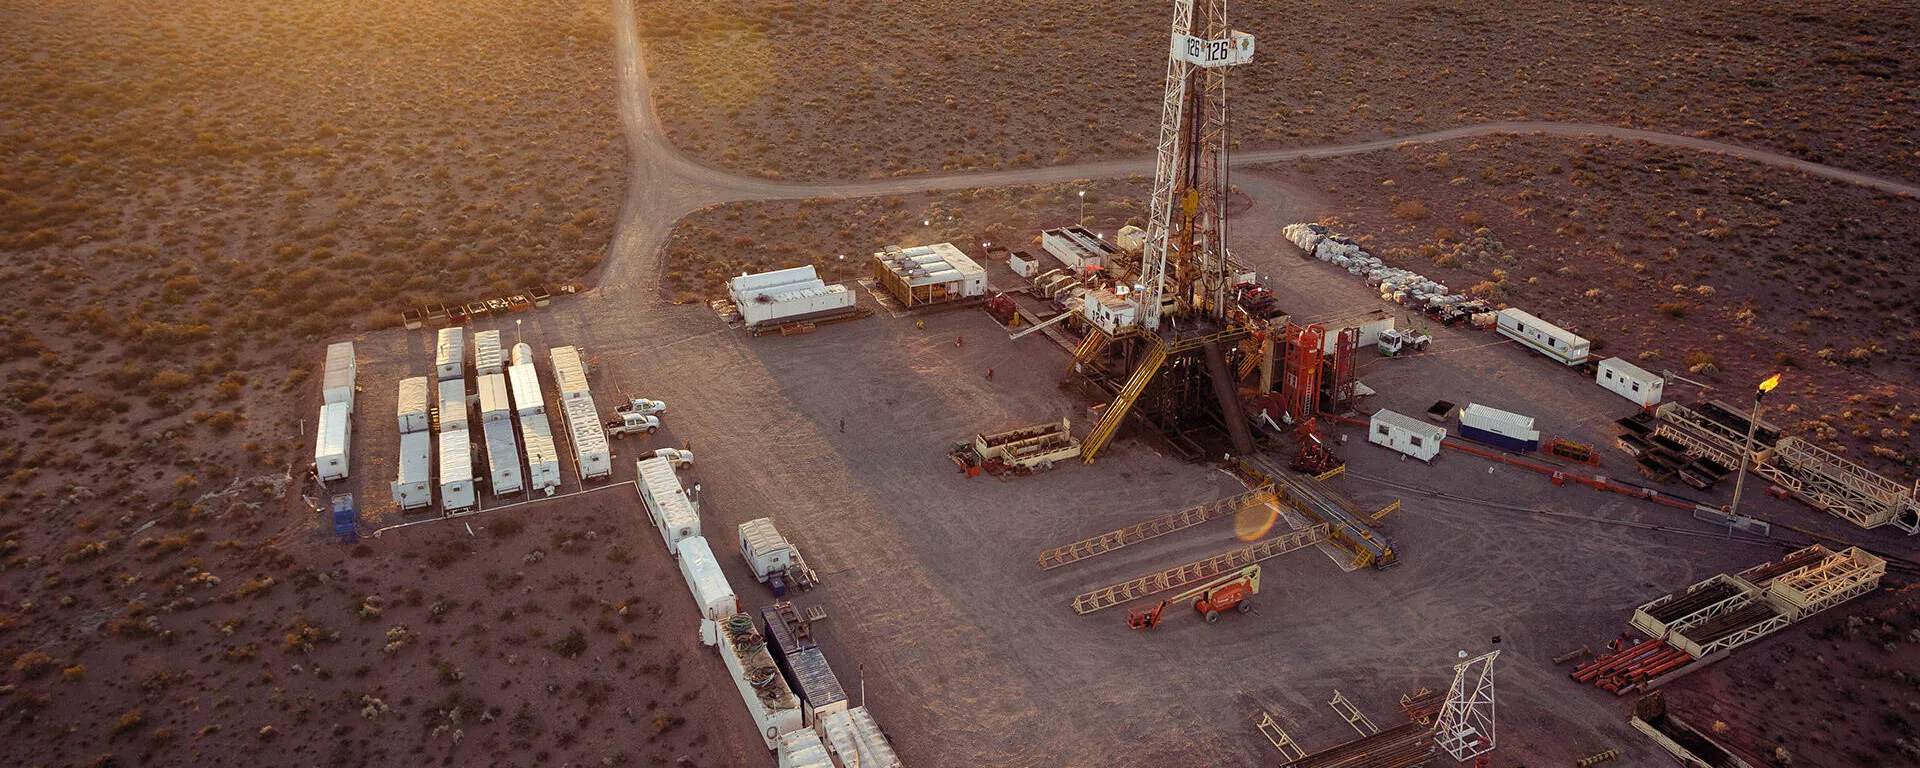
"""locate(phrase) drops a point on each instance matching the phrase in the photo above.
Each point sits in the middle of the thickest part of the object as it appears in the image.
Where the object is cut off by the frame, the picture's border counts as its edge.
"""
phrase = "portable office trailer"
(453, 406)
(456, 472)
(805, 668)
(570, 373)
(668, 506)
(1493, 426)
(815, 302)
(1413, 437)
(414, 410)
(487, 357)
(450, 354)
(591, 454)
(524, 381)
(543, 461)
(711, 592)
(773, 707)
(413, 487)
(767, 552)
(494, 403)
(855, 739)
(338, 386)
(503, 459)
(1629, 381)
(333, 442)
(1543, 337)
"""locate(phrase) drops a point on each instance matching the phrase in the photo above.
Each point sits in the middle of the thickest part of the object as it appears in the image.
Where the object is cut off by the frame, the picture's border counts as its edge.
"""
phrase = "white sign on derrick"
(1201, 52)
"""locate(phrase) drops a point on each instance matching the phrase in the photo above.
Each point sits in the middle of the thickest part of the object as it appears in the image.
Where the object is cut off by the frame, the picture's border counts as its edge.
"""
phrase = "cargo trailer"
(494, 404)
(669, 507)
(712, 595)
(591, 454)
(790, 640)
(338, 381)
(453, 406)
(415, 409)
(1543, 337)
(333, 442)
(456, 473)
(503, 458)
(1493, 426)
(487, 355)
(773, 707)
(1405, 434)
(413, 487)
(1629, 381)
(855, 739)
(543, 462)
(450, 354)
(523, 381)
(570, 374)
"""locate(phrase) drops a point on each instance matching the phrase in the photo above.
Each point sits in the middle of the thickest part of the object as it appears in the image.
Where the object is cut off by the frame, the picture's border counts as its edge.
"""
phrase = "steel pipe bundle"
(1632, 666)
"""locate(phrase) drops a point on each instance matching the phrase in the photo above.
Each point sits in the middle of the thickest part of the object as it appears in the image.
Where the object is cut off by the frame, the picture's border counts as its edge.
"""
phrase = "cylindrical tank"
(522, 353)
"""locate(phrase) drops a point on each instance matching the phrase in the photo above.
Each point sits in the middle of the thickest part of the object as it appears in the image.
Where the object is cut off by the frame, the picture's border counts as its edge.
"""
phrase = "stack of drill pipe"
(1397, 747)
(1721, 626)
(1680, 607)
(1591, 671)
(1792, 562)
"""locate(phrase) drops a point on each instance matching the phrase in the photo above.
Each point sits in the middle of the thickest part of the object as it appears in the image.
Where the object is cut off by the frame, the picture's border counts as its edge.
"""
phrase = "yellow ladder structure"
(1117, 410)
(1198, 570)
(1157, 527)
(1090, 347)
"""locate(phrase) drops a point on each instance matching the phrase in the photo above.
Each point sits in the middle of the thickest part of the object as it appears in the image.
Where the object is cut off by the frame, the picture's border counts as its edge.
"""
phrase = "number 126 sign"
(1236, 49)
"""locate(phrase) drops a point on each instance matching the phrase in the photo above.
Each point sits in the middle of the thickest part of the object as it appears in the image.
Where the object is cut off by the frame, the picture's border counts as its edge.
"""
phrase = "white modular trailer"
(453, 406)
(340, 372)
(570, 374)
(766, 551)
(1493, 426)
(774, 708)
(456, 472)
(415, 405)
(1629, 381)
(333, 442)
(503, 459)
(855, 739)
(413, 487)
(803, 749)
(591, 454)
(524, 382)
(487, 355)
(543, 461)
(745, 289)
(494, 405)
(811, 302)
(711, 592)
(1543, 337)
(929, 274)
(450, 354)
(668, 507)
(1410, 436)
(1076, 247)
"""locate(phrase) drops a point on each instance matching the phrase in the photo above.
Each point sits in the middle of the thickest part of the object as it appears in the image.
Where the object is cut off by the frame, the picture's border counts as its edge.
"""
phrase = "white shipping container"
(668, 507)
(449, 355)
(503, 459)
(803, 749)
(855, 739)
(340, 374)
(797, 304)
(570, 374)
(1498, 422)
(413, 488)
(453, 406)
(487, 358)
(1629, 381)
(415, 397)
(456, 473)
(745, 286)
(711, 592)
(333, 442)
(543, 462)
(1413, 437)
(524, 380)
(494, 404)
(774, 709)
(592, 457)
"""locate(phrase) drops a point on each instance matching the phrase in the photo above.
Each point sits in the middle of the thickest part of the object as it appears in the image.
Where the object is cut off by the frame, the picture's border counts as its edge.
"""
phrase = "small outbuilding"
(1629, 381)
(1406, 434)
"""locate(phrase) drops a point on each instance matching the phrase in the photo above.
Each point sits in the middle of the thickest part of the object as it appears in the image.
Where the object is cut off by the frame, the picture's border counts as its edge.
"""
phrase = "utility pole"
(1083, 208)
(1746, 449)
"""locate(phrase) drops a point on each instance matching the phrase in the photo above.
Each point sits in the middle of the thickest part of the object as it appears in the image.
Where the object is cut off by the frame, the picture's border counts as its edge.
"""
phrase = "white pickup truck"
(632, 423)
(680, 459)
(643, 407)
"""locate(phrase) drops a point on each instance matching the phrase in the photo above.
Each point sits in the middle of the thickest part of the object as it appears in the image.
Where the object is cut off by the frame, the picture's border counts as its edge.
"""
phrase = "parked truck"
(642, 406)
(774, 560)
(632, 424)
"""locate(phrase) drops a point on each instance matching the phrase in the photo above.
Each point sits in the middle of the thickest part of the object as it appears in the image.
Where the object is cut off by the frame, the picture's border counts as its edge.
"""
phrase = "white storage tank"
(1493, 426)
(487, 357)
(711, 592)
(503, 459)
(522, 354)
(450, 354)
(524, 381)
(1413, 437)
(668, 507)
(413, 488)
(591, 455)
(543, 461)
(415, 404)
(570, 374)
(453, 406)
(1629, 381)
(456, 473)
(333, 442)
(340, 372)
(494, 404)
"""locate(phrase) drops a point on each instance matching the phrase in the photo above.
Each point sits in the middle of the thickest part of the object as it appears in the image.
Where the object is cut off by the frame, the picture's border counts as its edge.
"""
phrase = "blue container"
(1494, 438)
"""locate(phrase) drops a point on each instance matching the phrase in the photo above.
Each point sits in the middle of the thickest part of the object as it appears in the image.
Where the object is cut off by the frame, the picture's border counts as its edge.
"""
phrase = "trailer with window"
(543, 461)
(1629, 381)
(338, 386)
(487, 355)
(413, 487)
(1405, 434)
(450, 354)
(333, 443)
(456, 473)
(414, 412)
(1543, 337)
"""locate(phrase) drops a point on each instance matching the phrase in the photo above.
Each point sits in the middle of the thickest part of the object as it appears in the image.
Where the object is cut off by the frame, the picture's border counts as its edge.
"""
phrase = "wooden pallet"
(1159, 526)
(1197, 571)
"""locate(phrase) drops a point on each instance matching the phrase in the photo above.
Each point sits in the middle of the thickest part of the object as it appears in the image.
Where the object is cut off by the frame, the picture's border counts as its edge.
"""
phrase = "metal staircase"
(1117, 410)
(1155, 528)
(1198, 570)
